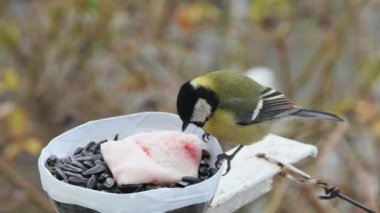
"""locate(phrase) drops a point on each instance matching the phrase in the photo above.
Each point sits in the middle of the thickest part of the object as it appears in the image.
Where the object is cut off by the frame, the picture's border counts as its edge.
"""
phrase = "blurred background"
(63, 63)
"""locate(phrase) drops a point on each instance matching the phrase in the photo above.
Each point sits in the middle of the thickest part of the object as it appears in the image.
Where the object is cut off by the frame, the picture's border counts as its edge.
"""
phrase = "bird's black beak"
(185, 125)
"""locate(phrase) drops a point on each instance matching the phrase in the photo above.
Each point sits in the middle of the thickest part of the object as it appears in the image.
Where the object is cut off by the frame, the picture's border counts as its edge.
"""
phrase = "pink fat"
(161, 157)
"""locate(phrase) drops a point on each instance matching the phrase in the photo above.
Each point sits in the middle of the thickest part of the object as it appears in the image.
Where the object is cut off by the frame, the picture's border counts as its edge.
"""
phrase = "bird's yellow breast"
(222, 126)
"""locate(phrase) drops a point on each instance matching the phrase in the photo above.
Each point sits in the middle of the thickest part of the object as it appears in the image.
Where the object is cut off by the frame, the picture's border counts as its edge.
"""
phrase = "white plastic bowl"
(70, 198)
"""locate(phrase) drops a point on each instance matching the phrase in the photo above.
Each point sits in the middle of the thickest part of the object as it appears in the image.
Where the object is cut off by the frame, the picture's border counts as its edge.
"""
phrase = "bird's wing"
(271, 105)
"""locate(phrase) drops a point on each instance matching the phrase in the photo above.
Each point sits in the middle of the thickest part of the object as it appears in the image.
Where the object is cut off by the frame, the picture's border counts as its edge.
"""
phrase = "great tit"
(236, 109)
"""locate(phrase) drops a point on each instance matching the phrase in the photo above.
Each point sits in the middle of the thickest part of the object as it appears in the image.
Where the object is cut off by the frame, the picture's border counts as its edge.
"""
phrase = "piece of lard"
(161, 157)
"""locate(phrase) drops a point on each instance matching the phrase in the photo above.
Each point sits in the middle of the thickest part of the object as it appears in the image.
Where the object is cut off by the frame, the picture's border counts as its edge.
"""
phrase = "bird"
(236, 109)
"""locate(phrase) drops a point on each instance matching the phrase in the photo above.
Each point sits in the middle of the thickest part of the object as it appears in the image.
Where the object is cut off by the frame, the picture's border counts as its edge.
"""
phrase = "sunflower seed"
(107, 168)
(89, 145)
(212, 171)
(69, 167)
(99, 186)
(191, 180)
(91, 157)
(181, 184)
(89, 163)
(59, 164)
(115, 189)
(97, 148)
(67, 160)
(73, 174)
(130, 188)
(91, 182)
(79, 165)
(103, 176)
(109, 182)
(152, 186)
(116, 137)
(96, 169)
(202, 177)
(103, 141)
(84, 153)
(203, 170)
(84, 158)
(97, 156)
(93, 147)
(78, 180)
(50, 167)
(205, 154)
(60, 161)
(52, 159)
(204, 164)
(61, 174)
(98, 161)
(78, 150)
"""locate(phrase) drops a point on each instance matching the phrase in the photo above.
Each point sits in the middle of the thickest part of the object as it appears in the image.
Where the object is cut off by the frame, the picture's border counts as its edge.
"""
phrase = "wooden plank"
(250, 177)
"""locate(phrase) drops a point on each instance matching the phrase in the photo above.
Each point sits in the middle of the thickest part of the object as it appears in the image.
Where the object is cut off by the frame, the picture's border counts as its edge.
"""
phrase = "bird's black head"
(195, 104)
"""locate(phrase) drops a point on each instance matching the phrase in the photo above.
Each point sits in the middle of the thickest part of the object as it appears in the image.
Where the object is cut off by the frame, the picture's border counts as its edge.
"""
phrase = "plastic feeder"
(70, 198)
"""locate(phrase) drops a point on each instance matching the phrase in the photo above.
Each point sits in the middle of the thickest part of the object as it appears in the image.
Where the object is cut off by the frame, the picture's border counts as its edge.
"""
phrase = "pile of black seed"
(87, 168)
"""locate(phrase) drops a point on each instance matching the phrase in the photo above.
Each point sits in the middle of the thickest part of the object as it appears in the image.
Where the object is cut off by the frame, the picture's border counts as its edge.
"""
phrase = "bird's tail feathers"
(310, 113)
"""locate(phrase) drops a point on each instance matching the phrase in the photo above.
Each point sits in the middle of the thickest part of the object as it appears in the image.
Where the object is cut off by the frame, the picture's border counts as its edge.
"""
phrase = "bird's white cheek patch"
(201, 111)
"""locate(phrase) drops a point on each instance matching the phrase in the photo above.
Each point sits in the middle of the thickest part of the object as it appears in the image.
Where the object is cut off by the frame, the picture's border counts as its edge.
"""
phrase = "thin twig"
(318, 205)
(334, 33)
(356, 169)
(34, 195)
(333, 141)
(278, 196)
(283, 57)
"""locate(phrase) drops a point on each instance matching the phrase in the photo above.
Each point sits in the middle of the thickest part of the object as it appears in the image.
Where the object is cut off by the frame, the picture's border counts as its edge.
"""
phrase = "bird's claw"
(228, 158)
(219, 162)
(206, 137)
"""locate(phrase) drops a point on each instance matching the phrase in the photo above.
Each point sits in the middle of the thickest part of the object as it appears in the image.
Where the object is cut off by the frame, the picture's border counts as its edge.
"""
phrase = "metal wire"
(331, 192)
